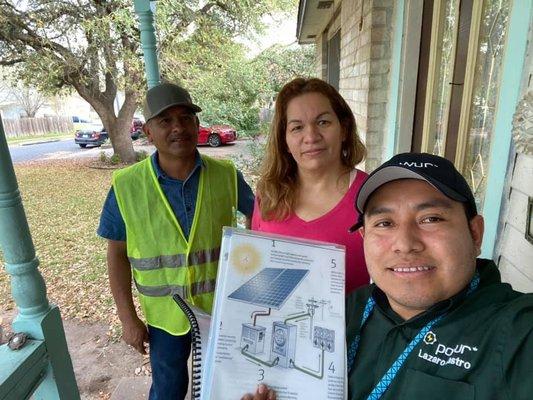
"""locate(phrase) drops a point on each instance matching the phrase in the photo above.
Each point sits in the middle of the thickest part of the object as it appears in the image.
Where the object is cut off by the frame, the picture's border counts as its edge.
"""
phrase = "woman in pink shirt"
(309, 181)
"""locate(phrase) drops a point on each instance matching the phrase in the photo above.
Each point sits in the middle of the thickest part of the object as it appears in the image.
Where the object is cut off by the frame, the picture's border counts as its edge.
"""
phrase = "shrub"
(115, 159)
(141, 155)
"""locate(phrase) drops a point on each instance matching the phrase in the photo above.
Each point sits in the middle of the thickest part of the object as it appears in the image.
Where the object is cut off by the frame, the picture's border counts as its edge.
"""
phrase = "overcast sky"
(280, 30)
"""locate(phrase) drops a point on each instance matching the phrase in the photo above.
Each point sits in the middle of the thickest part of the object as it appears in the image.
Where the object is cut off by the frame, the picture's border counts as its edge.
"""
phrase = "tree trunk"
(118, 127)
(119, 134)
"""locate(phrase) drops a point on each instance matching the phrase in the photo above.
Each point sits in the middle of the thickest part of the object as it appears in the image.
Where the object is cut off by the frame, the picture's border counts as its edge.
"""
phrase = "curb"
(39, 142)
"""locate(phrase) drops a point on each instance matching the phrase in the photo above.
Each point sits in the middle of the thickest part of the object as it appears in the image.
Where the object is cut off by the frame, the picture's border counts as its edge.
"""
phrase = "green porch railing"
(42, 366)
(144, 12)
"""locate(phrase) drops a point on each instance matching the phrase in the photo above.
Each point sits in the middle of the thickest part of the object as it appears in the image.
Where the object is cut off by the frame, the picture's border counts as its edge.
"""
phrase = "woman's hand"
(262, 393)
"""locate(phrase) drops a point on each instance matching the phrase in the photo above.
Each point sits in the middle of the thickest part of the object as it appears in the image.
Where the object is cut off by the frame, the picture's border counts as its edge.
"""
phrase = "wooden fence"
(37, 126)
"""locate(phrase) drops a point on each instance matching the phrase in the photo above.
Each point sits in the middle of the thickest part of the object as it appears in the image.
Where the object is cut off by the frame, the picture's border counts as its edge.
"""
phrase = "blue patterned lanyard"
(389, 376)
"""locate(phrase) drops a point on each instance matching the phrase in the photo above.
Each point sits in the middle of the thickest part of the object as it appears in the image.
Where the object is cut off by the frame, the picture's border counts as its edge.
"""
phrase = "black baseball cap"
(166, 95)
(437, 171)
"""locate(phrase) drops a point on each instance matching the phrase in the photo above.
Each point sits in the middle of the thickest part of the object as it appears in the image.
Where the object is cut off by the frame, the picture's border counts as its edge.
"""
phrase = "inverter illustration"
(254, 337)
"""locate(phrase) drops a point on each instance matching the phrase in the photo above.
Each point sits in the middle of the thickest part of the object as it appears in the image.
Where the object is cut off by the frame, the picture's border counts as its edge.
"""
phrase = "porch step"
(135, 388)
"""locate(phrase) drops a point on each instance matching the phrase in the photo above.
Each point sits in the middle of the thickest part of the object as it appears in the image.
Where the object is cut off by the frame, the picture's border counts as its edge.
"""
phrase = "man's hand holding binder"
(262, 393)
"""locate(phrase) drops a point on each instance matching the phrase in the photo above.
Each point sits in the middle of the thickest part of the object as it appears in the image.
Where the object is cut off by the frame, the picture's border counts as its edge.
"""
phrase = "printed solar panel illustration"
(270, 287)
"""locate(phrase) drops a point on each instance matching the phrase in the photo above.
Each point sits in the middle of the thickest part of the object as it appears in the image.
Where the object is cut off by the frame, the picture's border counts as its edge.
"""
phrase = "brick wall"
(366, 30)
(366, 47)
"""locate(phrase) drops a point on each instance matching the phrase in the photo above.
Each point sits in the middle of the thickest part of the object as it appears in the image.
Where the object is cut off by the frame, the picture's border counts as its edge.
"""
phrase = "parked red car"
(216, 135)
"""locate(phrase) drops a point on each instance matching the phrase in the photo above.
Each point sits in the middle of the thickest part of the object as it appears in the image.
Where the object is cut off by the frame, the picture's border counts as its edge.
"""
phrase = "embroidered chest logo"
(441, 354)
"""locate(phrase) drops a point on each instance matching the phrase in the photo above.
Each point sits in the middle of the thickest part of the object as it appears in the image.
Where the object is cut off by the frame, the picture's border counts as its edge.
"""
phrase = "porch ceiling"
(313, 16)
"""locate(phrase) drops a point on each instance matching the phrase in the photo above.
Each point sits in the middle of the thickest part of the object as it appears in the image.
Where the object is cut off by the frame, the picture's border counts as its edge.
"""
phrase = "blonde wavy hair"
(277, 185)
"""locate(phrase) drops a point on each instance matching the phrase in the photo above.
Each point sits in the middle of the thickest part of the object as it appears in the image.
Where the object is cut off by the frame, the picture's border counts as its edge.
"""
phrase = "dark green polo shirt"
(482, 349)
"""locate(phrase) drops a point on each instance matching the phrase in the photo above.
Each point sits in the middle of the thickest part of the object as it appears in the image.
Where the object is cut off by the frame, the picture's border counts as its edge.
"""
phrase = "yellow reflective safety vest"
(164, 262)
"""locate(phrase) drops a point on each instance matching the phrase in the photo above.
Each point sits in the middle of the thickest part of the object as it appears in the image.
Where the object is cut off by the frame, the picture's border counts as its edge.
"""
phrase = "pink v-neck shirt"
(331, 227)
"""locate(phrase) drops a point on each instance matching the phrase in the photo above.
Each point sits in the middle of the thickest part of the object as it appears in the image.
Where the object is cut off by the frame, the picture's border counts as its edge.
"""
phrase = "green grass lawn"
(63, 201)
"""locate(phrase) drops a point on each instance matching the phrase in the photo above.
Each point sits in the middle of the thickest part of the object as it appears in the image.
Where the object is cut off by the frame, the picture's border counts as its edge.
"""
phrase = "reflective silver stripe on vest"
(204, 257)
(175, 261)
(196, 288)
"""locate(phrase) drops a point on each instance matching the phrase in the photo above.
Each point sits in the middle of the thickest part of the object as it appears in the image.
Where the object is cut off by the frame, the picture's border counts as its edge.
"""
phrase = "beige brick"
(376, 82)
(379, 96)
(380, 34)
(361, 95)
(349, 7)
(362, 123)
(364, 82)
(364, 52)
(378, 51)
(348, 94)
(379, 17)
(383, 3)
(349, 82)
(376, 110)
(356, 69)
(346, 36)
(365, 38)
(379, 66)
(374, 138)
(362, 25)
(349, 48)
(376, 123)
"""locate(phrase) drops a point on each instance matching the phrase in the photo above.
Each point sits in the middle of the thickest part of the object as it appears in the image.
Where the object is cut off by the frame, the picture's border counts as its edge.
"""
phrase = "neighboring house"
(56, 106)
(445, 77)
(10, 109)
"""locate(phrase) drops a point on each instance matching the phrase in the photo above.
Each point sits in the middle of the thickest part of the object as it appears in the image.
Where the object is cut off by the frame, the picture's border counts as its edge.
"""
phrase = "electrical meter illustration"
(283, 343)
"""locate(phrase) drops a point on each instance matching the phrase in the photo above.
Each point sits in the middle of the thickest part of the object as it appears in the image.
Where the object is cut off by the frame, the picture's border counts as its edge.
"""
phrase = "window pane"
(444, 77)
(487, 76)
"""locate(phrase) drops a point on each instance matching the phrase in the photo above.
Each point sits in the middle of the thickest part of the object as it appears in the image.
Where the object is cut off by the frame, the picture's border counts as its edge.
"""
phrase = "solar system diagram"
(274, 343)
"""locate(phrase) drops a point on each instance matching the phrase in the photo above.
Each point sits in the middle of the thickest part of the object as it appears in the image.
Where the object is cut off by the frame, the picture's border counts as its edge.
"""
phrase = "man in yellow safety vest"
(163, 220)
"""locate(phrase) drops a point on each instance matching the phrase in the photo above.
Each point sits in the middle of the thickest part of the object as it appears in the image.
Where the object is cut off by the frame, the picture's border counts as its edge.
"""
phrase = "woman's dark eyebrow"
(324, 113)
(317, 117)
(294, 120)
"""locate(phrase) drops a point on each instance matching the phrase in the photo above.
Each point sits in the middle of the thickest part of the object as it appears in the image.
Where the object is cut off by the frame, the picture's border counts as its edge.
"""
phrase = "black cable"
(196, 365)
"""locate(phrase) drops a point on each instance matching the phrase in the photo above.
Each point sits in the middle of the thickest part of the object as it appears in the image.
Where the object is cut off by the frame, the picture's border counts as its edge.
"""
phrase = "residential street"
(66, 148)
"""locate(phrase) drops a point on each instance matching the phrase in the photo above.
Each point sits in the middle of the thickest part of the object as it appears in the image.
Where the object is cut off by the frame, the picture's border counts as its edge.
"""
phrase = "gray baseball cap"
(166, 95)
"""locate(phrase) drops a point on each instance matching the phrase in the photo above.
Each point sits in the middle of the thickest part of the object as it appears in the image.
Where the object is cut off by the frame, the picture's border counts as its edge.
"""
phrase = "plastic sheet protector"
(278, 319)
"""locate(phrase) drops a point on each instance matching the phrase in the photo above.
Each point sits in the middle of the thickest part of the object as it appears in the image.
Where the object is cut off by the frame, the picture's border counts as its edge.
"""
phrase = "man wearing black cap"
(163, 219)
(437, 323)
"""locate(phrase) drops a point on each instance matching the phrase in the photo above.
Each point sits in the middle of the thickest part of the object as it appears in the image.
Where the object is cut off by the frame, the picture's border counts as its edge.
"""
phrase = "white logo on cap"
(418, 164)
